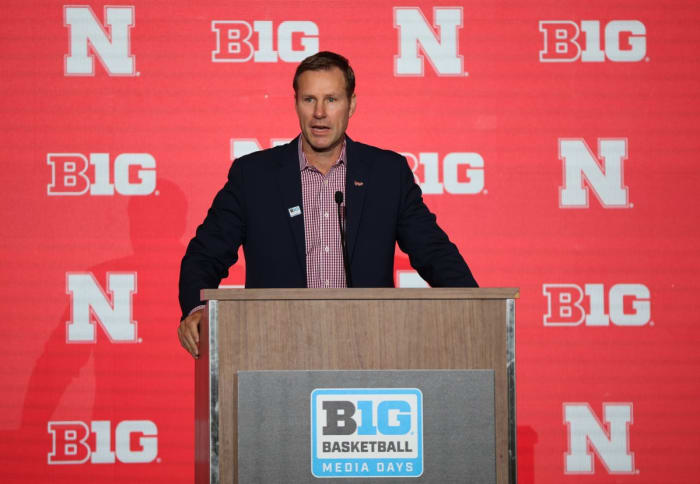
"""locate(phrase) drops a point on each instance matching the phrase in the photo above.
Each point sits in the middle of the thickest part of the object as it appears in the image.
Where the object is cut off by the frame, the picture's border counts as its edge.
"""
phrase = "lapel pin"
(359, 183)
(294, 211)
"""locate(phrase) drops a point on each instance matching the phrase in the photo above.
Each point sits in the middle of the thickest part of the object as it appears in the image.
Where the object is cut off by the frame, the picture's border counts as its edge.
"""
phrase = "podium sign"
(436, 425)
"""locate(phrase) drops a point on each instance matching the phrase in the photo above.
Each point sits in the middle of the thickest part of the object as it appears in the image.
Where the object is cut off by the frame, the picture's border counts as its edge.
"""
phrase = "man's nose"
(319, 110)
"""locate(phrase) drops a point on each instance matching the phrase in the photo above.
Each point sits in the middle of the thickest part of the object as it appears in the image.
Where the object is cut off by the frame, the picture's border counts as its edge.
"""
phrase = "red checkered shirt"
(324, 253)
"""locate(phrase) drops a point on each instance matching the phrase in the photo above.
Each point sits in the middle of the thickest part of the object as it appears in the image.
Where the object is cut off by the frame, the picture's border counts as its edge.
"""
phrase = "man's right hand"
(188, 332)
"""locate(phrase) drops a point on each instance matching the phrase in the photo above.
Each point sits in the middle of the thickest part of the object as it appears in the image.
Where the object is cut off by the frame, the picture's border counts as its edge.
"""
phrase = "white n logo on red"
(610, 441)
(441, 48)
(583, 171)
(87, 33)
(90, 306)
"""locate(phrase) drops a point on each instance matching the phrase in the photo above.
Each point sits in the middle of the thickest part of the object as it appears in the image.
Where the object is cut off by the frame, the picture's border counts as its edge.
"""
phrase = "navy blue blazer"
(253, 209)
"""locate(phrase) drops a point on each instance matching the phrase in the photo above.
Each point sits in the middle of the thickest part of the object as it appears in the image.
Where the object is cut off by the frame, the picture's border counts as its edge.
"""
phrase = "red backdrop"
(556, 142)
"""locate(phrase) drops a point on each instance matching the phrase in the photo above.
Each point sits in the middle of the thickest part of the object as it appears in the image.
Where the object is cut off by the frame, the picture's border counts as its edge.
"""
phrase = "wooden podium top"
(361, 293)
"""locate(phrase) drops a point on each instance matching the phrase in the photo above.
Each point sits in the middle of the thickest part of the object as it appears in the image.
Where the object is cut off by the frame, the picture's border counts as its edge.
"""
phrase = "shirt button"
(326, 282)
(325, 182)
(326, 249)
(325, 214)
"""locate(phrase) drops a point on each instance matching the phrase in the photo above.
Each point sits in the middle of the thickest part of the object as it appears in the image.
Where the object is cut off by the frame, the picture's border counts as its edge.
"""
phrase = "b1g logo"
(462, 173)
(602, 174)
(88, 39)
(627, 305)
(238, 41)
(72, 174)
(625, 41)
(90, 306)
(367, 432)
(609, 440)
(73, 442)
(440, 46)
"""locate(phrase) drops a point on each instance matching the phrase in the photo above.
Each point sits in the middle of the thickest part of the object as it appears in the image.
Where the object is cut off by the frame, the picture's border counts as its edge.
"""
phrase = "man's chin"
(322, 145)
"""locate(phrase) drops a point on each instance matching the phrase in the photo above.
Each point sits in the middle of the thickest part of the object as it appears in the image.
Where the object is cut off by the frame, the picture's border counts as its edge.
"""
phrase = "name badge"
(294, 211)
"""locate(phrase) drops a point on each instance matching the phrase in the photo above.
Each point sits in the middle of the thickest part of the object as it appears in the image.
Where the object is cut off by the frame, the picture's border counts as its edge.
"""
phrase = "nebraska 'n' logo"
(90, 306)
(602, 174)
(245, 146)
(441, 47)
(609, 440)
(89, 39)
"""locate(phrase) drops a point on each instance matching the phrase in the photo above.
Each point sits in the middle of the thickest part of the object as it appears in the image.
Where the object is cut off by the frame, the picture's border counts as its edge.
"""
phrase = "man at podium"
(323, 211)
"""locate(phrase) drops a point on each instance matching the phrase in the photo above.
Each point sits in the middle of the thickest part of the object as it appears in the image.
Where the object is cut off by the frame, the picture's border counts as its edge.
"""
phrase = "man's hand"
(188, 332)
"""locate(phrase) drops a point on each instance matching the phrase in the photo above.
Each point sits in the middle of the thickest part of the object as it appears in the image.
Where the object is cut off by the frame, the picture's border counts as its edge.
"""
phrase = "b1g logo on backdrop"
(456, 173)
(74, 442)
(89, 39)
(623, 41)
(91, 306)
(462, 173)
(583, 171)
(440, 45)
(238, 41)
(72, 174)
(609, 440)
(367, 432)
(571, 305)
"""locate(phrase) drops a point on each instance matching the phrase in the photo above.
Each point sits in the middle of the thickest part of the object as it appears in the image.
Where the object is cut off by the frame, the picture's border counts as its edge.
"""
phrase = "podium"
(347, 329)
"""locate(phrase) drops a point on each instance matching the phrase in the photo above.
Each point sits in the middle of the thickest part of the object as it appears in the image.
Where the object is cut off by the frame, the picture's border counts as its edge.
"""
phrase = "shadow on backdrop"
(132, 380)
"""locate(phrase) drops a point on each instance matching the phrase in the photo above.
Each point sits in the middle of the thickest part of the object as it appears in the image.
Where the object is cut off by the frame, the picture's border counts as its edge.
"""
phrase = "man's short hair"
(324, 61)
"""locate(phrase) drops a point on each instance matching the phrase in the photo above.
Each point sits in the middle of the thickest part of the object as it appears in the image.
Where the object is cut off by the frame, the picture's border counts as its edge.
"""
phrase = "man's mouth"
(318, 129)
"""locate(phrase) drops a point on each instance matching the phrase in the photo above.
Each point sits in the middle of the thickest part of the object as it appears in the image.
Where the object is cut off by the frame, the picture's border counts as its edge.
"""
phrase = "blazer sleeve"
(214, 249)
(429, 250)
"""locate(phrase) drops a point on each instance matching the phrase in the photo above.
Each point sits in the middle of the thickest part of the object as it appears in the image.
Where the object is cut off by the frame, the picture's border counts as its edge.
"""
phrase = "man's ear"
(353, 104)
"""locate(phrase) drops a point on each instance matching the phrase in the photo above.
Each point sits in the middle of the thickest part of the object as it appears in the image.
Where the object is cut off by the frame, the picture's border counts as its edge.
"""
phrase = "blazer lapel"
(356, 181)
(289, 182)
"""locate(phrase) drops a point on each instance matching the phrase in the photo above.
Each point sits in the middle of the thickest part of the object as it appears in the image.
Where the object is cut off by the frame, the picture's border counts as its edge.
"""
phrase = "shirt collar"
(304, 163)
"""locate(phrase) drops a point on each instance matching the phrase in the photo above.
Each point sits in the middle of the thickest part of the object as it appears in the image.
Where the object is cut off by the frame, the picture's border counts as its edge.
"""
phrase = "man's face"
(323, 108)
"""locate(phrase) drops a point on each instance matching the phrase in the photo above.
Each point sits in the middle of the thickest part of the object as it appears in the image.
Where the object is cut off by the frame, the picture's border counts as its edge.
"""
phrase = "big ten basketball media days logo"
(571, 305)
(609, 440)
(621, 41)
(129, 174)
(440, 45)
(457, 173)
(74, 442)
(239, 41)
(90, 306)
(367, 432)
(602, 174)
(109, 42)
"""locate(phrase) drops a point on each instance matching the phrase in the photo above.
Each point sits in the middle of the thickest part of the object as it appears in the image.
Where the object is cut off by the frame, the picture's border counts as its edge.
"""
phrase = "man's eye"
(331, 99)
